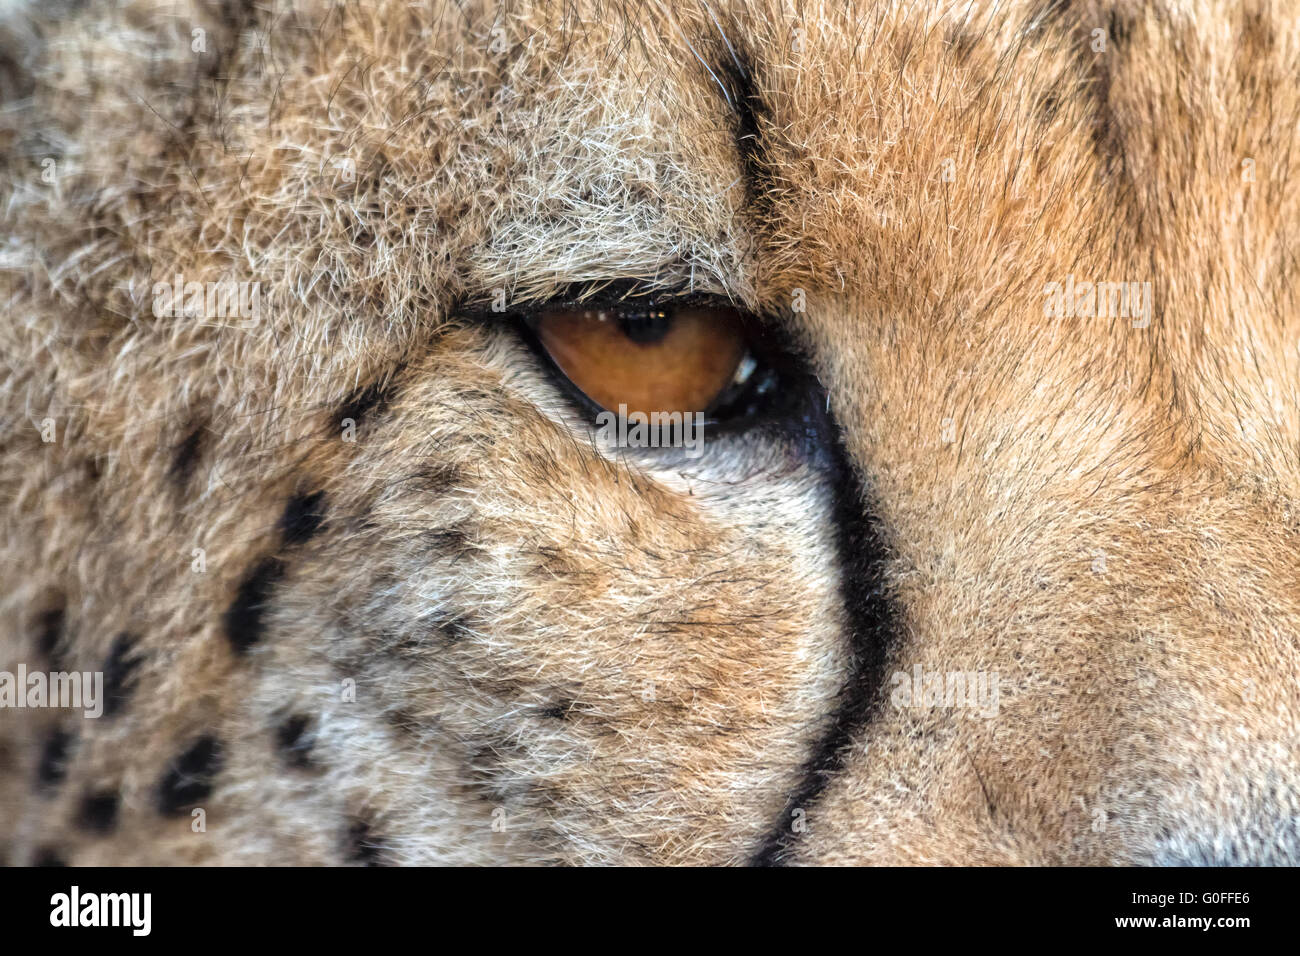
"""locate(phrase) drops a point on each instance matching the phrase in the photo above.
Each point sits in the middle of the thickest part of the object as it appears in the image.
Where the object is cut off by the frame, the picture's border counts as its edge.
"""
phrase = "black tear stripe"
(872, 631)
(859, 540)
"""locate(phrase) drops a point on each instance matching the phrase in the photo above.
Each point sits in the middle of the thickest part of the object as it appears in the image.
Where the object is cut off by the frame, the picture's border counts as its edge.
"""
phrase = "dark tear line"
(870, 614)
(872, 632)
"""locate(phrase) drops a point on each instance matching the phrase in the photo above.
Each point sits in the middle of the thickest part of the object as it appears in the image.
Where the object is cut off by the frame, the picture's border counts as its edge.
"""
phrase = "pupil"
(645, 326)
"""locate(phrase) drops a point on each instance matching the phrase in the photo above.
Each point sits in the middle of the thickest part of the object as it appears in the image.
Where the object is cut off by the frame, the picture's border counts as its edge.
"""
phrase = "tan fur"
(564, 655)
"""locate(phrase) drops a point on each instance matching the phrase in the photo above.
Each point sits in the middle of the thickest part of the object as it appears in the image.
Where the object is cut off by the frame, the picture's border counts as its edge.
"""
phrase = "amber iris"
(649, 360)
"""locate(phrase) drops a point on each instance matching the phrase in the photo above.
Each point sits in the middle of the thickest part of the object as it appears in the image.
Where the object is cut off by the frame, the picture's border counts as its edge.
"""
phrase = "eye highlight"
(648, 358)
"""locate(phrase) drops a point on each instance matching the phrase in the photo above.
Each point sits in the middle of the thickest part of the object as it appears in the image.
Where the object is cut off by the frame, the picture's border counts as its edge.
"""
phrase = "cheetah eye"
(666, 357)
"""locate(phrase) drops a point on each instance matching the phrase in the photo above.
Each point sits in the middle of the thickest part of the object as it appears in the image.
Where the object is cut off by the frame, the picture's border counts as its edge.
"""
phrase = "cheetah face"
(984, 549)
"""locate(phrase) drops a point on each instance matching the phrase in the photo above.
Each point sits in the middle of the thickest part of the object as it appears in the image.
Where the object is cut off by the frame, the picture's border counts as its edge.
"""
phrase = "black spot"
(119, 674)
(16, 79)
(189, 779)
(361, 845)
(493, 766)
(1048, 107)
(296, 741)
(48, 856)
(243, 619)
(54, 759)
(558, 711)
(98, 812)
(375, 397)
(49, 632)
(185, 457)
(94, 470)
(302, 518)
(453, 630)
(438, 479)
(403, 721)
(1120, 27)
(448, 542)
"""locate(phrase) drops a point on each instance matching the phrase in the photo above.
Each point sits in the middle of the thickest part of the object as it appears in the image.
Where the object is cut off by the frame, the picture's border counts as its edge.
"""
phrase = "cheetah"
(972, 539)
